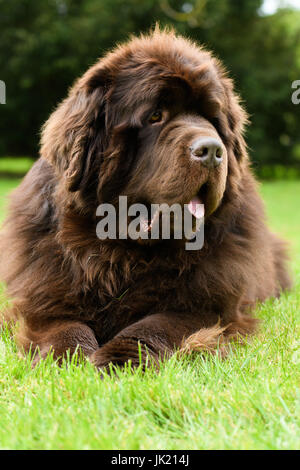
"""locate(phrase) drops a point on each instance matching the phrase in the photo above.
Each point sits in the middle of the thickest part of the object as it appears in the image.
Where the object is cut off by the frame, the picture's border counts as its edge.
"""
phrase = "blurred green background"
(45, 45)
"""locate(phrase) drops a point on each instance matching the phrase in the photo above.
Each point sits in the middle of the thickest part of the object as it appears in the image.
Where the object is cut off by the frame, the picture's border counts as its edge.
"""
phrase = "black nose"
(208, 151)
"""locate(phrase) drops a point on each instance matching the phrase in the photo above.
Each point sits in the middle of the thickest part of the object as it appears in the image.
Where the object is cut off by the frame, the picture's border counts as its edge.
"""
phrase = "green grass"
(15, 166)
(248, 401)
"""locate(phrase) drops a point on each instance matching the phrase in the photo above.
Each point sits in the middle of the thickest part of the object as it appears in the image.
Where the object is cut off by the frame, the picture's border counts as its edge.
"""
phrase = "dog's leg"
(157, 337)
(59, 338)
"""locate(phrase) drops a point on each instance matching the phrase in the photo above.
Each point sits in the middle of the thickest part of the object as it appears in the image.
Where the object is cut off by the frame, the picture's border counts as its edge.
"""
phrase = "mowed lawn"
(248, 401)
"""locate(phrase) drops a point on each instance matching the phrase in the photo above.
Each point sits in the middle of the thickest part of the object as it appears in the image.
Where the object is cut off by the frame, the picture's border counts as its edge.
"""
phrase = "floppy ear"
(75, 133)
(235, 120)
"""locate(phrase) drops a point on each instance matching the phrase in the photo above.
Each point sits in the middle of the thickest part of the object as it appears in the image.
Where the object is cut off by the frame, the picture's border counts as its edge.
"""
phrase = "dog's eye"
(156, 117)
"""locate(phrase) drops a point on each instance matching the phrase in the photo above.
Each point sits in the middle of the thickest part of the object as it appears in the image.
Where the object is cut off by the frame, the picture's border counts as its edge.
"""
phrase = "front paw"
(120, 351)
(100, 359)
(40, 354)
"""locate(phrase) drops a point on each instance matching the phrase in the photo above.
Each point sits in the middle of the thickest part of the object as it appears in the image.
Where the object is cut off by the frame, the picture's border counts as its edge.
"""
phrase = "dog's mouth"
(196, 207)
(197, 204)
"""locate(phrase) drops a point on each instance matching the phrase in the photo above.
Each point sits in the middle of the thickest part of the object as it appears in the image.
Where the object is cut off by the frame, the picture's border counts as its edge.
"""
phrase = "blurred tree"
(275, 51)
(45, 45)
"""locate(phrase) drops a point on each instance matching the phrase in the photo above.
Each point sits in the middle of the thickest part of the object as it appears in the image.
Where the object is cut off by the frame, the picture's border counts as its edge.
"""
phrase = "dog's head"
(156, 120)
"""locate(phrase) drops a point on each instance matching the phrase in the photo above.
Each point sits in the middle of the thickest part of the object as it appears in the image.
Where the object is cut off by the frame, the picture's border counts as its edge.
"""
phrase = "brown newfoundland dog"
(155, 120)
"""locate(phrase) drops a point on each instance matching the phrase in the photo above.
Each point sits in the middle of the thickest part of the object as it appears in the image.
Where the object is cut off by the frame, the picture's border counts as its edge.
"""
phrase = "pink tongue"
(196, 208)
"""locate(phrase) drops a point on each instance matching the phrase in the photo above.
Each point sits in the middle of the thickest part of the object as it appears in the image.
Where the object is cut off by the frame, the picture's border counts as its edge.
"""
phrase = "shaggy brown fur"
(69, 288)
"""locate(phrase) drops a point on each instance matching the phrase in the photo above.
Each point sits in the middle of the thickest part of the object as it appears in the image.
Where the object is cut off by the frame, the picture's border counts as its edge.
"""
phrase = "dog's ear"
(75, 132)
(233, 121)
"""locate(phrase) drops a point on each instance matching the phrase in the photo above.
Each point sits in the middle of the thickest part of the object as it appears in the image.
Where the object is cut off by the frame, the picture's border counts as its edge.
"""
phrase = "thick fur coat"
(127, 127)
